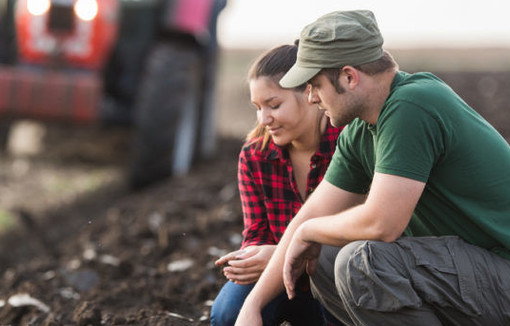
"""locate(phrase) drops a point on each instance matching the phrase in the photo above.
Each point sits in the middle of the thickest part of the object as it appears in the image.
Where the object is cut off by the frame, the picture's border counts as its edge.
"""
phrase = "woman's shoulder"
(252, 148)
(255, 147)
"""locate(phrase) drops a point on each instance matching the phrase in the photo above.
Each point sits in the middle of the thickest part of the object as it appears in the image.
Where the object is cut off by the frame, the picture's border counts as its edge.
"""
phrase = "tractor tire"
(5, 128)
(166, 114)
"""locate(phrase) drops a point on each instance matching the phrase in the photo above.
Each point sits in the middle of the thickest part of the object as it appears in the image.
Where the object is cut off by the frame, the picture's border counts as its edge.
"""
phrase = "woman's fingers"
(246, 266)
(249, 252)
(228, 257)
(243, 278)
(243, 270)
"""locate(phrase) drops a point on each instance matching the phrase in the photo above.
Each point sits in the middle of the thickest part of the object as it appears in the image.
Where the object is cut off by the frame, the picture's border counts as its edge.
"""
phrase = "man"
(413, 215)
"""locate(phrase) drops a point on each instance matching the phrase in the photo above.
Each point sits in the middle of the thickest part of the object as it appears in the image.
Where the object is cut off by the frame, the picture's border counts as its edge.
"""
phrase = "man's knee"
(346, 257)
(354, 272)
(372, 275)
(332, 266)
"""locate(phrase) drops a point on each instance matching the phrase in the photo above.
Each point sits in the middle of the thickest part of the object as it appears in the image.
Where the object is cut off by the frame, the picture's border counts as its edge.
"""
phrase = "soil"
(110, 256)
(75, 238)
(116, 257)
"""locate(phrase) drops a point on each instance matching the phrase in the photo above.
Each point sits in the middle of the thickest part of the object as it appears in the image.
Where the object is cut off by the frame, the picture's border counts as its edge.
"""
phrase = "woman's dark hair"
(273, 64)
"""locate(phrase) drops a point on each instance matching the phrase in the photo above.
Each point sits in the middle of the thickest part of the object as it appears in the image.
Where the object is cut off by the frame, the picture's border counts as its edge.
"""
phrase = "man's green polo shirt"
(426, 132)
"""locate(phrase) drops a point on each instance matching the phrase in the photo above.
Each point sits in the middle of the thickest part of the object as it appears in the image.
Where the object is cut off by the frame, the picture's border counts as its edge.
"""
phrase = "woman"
(281, 163)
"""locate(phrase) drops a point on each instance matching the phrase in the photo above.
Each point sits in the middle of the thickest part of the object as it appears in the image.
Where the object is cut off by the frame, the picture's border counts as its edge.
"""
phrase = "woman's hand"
(246, 265)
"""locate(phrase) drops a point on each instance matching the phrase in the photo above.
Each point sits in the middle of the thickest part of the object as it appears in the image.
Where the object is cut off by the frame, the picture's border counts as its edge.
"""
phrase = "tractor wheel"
(166, 114)
(5, 128)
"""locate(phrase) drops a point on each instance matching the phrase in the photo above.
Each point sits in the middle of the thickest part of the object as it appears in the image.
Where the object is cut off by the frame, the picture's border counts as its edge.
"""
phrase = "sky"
(403, 23)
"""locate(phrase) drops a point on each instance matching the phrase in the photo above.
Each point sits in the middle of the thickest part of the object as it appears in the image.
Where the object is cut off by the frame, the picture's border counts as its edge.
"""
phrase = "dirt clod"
(87, 314)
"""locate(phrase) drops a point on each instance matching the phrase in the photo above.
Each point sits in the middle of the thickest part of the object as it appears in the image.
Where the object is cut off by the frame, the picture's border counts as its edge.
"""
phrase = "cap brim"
(297, 76)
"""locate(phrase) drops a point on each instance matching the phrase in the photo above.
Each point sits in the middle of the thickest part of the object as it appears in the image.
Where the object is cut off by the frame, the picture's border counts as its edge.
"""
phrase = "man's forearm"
(270, 283)
(382, 217)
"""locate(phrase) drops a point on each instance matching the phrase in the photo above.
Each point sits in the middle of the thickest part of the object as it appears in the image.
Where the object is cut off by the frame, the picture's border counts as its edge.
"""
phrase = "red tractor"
(150, 64)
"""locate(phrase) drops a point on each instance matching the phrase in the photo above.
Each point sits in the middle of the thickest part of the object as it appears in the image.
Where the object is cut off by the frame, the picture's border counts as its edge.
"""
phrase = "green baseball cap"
(335, 40)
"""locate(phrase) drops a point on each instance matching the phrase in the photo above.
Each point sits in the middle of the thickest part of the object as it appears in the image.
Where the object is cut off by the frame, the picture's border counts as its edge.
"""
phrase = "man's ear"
(350, 77)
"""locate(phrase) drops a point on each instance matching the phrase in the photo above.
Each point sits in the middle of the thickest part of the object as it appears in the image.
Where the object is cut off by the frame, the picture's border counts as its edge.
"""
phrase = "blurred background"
(452, 38)
(404, 24)
(86, 202)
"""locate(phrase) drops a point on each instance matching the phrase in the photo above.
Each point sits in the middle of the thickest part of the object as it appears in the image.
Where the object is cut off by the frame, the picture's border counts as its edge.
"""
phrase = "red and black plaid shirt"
(269, 193)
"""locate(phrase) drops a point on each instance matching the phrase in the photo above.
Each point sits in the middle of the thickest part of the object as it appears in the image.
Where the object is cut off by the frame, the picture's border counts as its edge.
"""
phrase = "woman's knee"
(222, 314)
(228, 303)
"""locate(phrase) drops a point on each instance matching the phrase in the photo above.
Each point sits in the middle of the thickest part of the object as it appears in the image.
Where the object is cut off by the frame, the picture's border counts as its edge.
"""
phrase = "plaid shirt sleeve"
(256, 228)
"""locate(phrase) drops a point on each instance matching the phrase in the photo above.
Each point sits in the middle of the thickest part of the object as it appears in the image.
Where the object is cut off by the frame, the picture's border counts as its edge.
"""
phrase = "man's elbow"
(387, 232)
(389, 236)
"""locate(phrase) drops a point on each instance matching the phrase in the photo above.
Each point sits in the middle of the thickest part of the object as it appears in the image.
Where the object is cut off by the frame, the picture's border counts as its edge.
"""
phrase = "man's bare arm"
(383, 217)
(326, 200)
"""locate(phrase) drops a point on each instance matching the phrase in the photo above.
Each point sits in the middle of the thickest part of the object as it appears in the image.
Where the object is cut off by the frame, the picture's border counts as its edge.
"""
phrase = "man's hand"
(245, 266)
(301, 256)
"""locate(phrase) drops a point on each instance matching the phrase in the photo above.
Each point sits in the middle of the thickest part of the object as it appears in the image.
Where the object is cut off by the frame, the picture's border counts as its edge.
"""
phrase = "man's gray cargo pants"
(414, 281)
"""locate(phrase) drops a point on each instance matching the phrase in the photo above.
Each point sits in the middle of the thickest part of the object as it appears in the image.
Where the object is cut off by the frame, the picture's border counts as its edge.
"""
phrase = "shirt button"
(314, 165)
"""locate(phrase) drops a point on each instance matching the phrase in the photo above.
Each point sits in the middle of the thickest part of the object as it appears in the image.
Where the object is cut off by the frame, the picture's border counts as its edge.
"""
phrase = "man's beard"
(342, 121)
(353, 109)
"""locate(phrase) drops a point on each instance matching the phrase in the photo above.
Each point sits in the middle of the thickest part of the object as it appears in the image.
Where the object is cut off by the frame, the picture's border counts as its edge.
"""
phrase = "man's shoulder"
(355, 128)
(419, 94)
(405, 78)
(420, 85)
